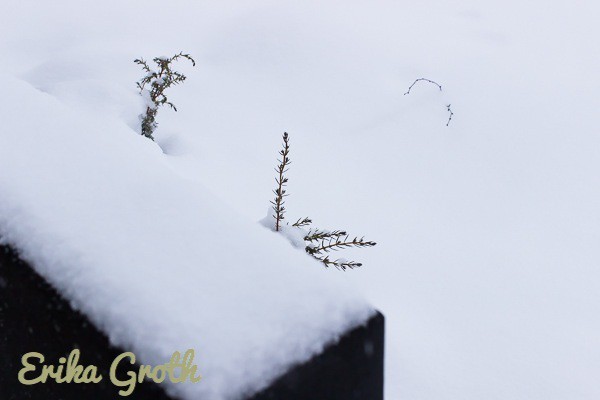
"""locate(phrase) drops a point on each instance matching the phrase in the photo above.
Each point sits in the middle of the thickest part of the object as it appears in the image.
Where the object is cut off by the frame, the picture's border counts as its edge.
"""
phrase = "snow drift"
(157, 262)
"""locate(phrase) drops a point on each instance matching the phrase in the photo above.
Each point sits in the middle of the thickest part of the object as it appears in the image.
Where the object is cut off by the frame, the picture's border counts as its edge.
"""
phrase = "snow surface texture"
(487, 259)
(153, 258)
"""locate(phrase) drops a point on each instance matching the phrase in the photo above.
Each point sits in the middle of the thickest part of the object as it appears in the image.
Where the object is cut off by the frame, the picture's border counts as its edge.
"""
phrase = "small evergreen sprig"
(153, 86)
(281, 180)
(318, 242)
(302, 222)
(316, 235)
(322, 242)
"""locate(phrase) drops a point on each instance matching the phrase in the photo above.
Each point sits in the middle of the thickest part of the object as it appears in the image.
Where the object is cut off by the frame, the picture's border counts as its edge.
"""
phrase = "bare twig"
(451, 114)
(422, 79)
(440, 87)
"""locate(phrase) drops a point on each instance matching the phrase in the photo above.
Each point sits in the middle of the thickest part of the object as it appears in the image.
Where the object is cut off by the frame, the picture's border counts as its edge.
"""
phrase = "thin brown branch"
(280, 193)
(451, 114)
(422, 79)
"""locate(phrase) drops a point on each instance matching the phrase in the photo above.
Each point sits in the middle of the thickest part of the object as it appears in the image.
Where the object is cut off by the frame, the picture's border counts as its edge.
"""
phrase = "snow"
(487, 230)
(294, 234)
(154, 259)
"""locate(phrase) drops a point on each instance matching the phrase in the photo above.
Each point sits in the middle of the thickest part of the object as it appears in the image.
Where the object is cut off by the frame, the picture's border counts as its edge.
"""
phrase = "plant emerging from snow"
(281, 179)
(450, 113)
(316, 242)
(152, 87)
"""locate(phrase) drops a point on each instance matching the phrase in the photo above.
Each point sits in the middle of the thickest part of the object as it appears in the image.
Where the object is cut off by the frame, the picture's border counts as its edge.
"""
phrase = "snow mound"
(156, 261)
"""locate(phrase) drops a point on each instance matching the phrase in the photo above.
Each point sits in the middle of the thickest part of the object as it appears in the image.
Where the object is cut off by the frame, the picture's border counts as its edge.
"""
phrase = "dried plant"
(318, 242)
(450, 113)
(153, 86)
(322, 242)
(302, 222)
(281, 180)
(423, 80)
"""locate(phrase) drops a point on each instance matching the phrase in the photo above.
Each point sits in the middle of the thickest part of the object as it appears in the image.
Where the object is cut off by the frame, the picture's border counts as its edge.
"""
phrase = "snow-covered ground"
(488, 229)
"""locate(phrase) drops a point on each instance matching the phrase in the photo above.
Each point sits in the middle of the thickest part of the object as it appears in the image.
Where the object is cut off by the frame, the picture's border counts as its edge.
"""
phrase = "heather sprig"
(154, 84)
(280, 193)
(318, 242)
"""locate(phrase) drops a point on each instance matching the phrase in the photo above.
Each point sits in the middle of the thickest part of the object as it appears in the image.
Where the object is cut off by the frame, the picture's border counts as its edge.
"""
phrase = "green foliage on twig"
(153, 86)
(319, 243)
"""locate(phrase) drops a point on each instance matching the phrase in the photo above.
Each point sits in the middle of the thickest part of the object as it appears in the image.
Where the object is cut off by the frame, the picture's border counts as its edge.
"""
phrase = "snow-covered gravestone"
(107, 250)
